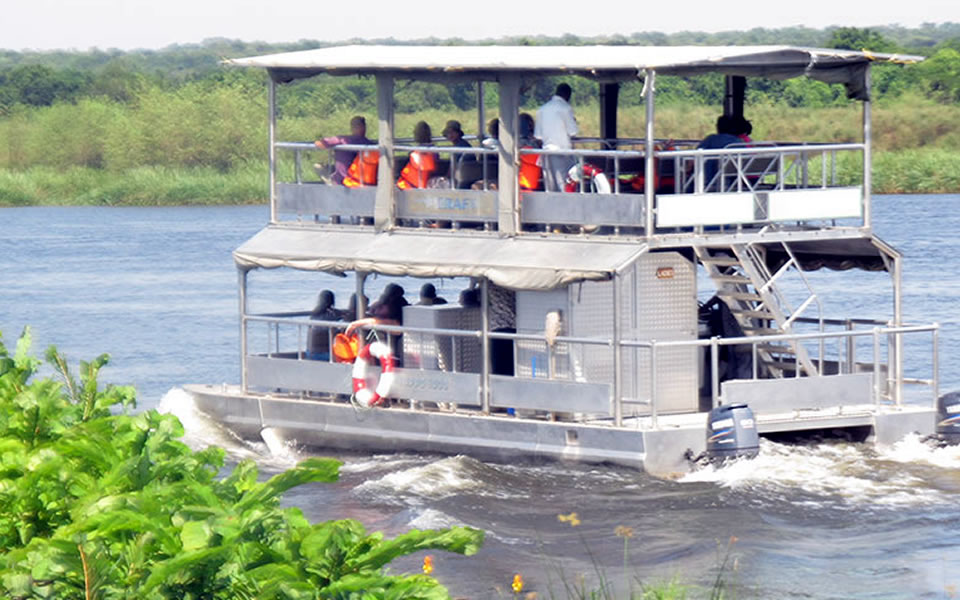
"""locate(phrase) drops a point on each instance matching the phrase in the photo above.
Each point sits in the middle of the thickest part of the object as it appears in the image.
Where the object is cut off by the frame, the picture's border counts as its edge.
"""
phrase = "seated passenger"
(318, 338)
(422, 164)
(343, 159)
(470, 297)
(530, 170)
(428, 296)
(742, 128)
(387, 310)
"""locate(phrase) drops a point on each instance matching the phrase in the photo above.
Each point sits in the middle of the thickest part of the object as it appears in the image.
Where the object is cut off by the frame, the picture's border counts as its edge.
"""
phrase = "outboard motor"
(948, 418)
(732, 433)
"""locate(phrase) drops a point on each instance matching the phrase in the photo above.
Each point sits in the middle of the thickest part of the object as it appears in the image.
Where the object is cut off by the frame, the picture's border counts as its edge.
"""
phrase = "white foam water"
(855, 474)
(202, 431)
(440, 479)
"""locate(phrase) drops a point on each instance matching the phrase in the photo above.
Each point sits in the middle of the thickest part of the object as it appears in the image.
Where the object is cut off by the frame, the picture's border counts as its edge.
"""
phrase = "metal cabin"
(587, 342)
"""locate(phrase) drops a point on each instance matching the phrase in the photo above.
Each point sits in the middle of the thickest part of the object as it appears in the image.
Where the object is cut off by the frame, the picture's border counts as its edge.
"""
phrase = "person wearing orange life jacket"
(363, 169)
(530, 169)
(421, 164)
(343, 159)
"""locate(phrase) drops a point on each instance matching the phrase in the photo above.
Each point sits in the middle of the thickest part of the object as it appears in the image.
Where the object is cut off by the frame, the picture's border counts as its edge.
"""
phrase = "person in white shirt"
(555, 126)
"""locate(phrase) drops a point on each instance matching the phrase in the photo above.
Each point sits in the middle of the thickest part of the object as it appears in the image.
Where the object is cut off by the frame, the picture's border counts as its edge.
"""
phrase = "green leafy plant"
(99, 503)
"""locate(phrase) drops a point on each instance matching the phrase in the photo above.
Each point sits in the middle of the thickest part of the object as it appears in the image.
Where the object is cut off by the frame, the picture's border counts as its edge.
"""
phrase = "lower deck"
(661, 446)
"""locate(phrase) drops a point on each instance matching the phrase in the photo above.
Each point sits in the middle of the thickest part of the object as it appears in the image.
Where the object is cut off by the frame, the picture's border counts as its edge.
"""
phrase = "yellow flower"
(517, 584)
(571, 518)
(624, 532)
(427, 565)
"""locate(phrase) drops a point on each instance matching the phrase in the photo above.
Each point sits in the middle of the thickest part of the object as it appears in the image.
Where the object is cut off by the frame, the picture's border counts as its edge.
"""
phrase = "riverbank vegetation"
(98, 503)
(175, 127)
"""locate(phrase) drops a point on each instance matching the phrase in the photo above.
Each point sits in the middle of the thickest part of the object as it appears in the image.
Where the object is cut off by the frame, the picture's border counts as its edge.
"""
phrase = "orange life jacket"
(530, 171)
(418, 170)
(363, 169)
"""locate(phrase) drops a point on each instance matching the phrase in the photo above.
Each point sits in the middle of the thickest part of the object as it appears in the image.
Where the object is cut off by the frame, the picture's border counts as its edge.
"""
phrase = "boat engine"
(948, 418)
(731, 433)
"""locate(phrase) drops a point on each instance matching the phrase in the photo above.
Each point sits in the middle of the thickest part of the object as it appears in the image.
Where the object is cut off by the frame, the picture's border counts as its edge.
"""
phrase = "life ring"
(362, 393)
(601, 185)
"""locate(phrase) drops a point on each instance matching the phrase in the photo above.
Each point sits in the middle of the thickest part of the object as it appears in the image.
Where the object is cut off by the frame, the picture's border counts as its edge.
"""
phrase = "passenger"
(318, 338)
(421, 164)
(555, 125)
(726, 134)
(387, 310)
(461, 165)
(470, 297)
(351, 312)
(344, 159)
(493, 134)
(428, 296)
(743, 129)
(530, 169)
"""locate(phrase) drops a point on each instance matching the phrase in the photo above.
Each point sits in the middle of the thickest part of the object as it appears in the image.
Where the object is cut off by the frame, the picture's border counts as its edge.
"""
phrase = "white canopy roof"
(516, 263)
(604, 63)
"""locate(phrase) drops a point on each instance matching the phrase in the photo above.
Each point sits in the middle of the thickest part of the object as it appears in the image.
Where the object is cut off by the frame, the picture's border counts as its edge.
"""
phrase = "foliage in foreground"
(96, 505)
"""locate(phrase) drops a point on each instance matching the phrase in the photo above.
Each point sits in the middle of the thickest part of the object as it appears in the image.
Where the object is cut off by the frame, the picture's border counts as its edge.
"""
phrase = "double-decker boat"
(586, 340)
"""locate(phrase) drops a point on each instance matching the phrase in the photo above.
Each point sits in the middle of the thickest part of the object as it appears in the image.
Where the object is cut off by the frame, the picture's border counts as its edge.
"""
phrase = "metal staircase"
(750, 291)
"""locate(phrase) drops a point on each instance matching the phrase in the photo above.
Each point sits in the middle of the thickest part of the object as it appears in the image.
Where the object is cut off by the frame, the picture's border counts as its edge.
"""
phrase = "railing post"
(653, 383)
(714, 374)
(272, 152)
(876, 366)
(649, 81)
(936, 362)
(508, 217)
(851, 349)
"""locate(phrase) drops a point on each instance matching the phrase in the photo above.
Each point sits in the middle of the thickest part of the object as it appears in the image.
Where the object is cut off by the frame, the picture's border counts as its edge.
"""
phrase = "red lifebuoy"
(362, 392)
(599, 181)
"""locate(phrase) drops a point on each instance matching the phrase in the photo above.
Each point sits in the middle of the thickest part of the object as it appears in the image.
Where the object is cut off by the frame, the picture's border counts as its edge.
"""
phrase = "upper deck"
(664, 191)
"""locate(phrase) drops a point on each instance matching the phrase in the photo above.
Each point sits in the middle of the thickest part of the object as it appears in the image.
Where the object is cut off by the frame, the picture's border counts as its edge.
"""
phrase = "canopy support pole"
(735, 90)
(617, 354)
(272, 152)
(649, 81)
(384, 212)
(609, 98)
(481, 110)
(898, 322)
(867, 151)
(508, 199)
(242, 287)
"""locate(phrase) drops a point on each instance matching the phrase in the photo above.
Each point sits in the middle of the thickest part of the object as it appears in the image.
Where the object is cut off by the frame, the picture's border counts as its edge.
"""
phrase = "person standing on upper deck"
(555, 125)
(343, 158)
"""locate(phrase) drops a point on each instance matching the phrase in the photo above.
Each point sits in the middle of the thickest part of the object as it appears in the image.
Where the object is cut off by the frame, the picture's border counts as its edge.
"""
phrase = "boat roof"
(515, 263)
(603, 63)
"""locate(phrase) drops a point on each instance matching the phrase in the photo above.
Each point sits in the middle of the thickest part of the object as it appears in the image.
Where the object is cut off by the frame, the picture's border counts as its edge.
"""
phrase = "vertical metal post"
(876, 365)
(509, 194)
(650, 76)
(361, 299)
(867, 151)
(617, 355)
(936, 362)
(851, 349)
(384, 211)
(242, 287)
(272, 151)
(485, 346)
(714, 372)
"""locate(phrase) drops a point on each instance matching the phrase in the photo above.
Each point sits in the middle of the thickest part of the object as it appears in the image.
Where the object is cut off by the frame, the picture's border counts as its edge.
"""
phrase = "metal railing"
(837, 355)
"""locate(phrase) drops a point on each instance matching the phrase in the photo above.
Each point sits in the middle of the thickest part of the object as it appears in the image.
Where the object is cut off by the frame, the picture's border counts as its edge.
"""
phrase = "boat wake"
(202, 431)
(909, 473)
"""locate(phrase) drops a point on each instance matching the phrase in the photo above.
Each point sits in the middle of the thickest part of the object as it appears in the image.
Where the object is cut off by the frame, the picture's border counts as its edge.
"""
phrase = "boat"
(584, 337)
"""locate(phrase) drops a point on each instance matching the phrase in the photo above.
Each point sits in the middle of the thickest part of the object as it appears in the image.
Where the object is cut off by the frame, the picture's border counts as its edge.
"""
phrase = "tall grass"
(208, 143)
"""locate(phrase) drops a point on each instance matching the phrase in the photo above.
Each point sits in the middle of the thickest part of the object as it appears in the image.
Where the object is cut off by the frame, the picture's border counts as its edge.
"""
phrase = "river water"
(156, 288)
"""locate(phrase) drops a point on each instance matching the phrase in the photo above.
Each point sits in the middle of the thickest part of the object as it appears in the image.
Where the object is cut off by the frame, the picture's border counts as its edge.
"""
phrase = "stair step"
(761, 330)
(720, 261)
(730, 278)
(739, 295)
(782, 365)
(753, 314)
(776, 348)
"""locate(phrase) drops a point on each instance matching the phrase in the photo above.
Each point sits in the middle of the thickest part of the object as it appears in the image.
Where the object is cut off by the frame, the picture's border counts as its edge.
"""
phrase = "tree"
(854, 38)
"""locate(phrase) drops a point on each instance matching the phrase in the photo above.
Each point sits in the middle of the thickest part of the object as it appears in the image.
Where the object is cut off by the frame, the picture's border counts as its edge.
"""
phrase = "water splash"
(852, 474)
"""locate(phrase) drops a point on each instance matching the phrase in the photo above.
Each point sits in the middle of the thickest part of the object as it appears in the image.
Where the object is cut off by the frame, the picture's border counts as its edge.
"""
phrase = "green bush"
(96, 502)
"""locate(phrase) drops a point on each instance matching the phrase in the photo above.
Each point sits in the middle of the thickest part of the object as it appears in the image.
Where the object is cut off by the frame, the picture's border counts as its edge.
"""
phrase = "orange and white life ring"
(599, 184)
(362, 392)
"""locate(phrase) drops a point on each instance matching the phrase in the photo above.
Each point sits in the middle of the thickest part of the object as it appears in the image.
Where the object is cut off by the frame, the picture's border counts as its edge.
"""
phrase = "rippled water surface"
(156, 288)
